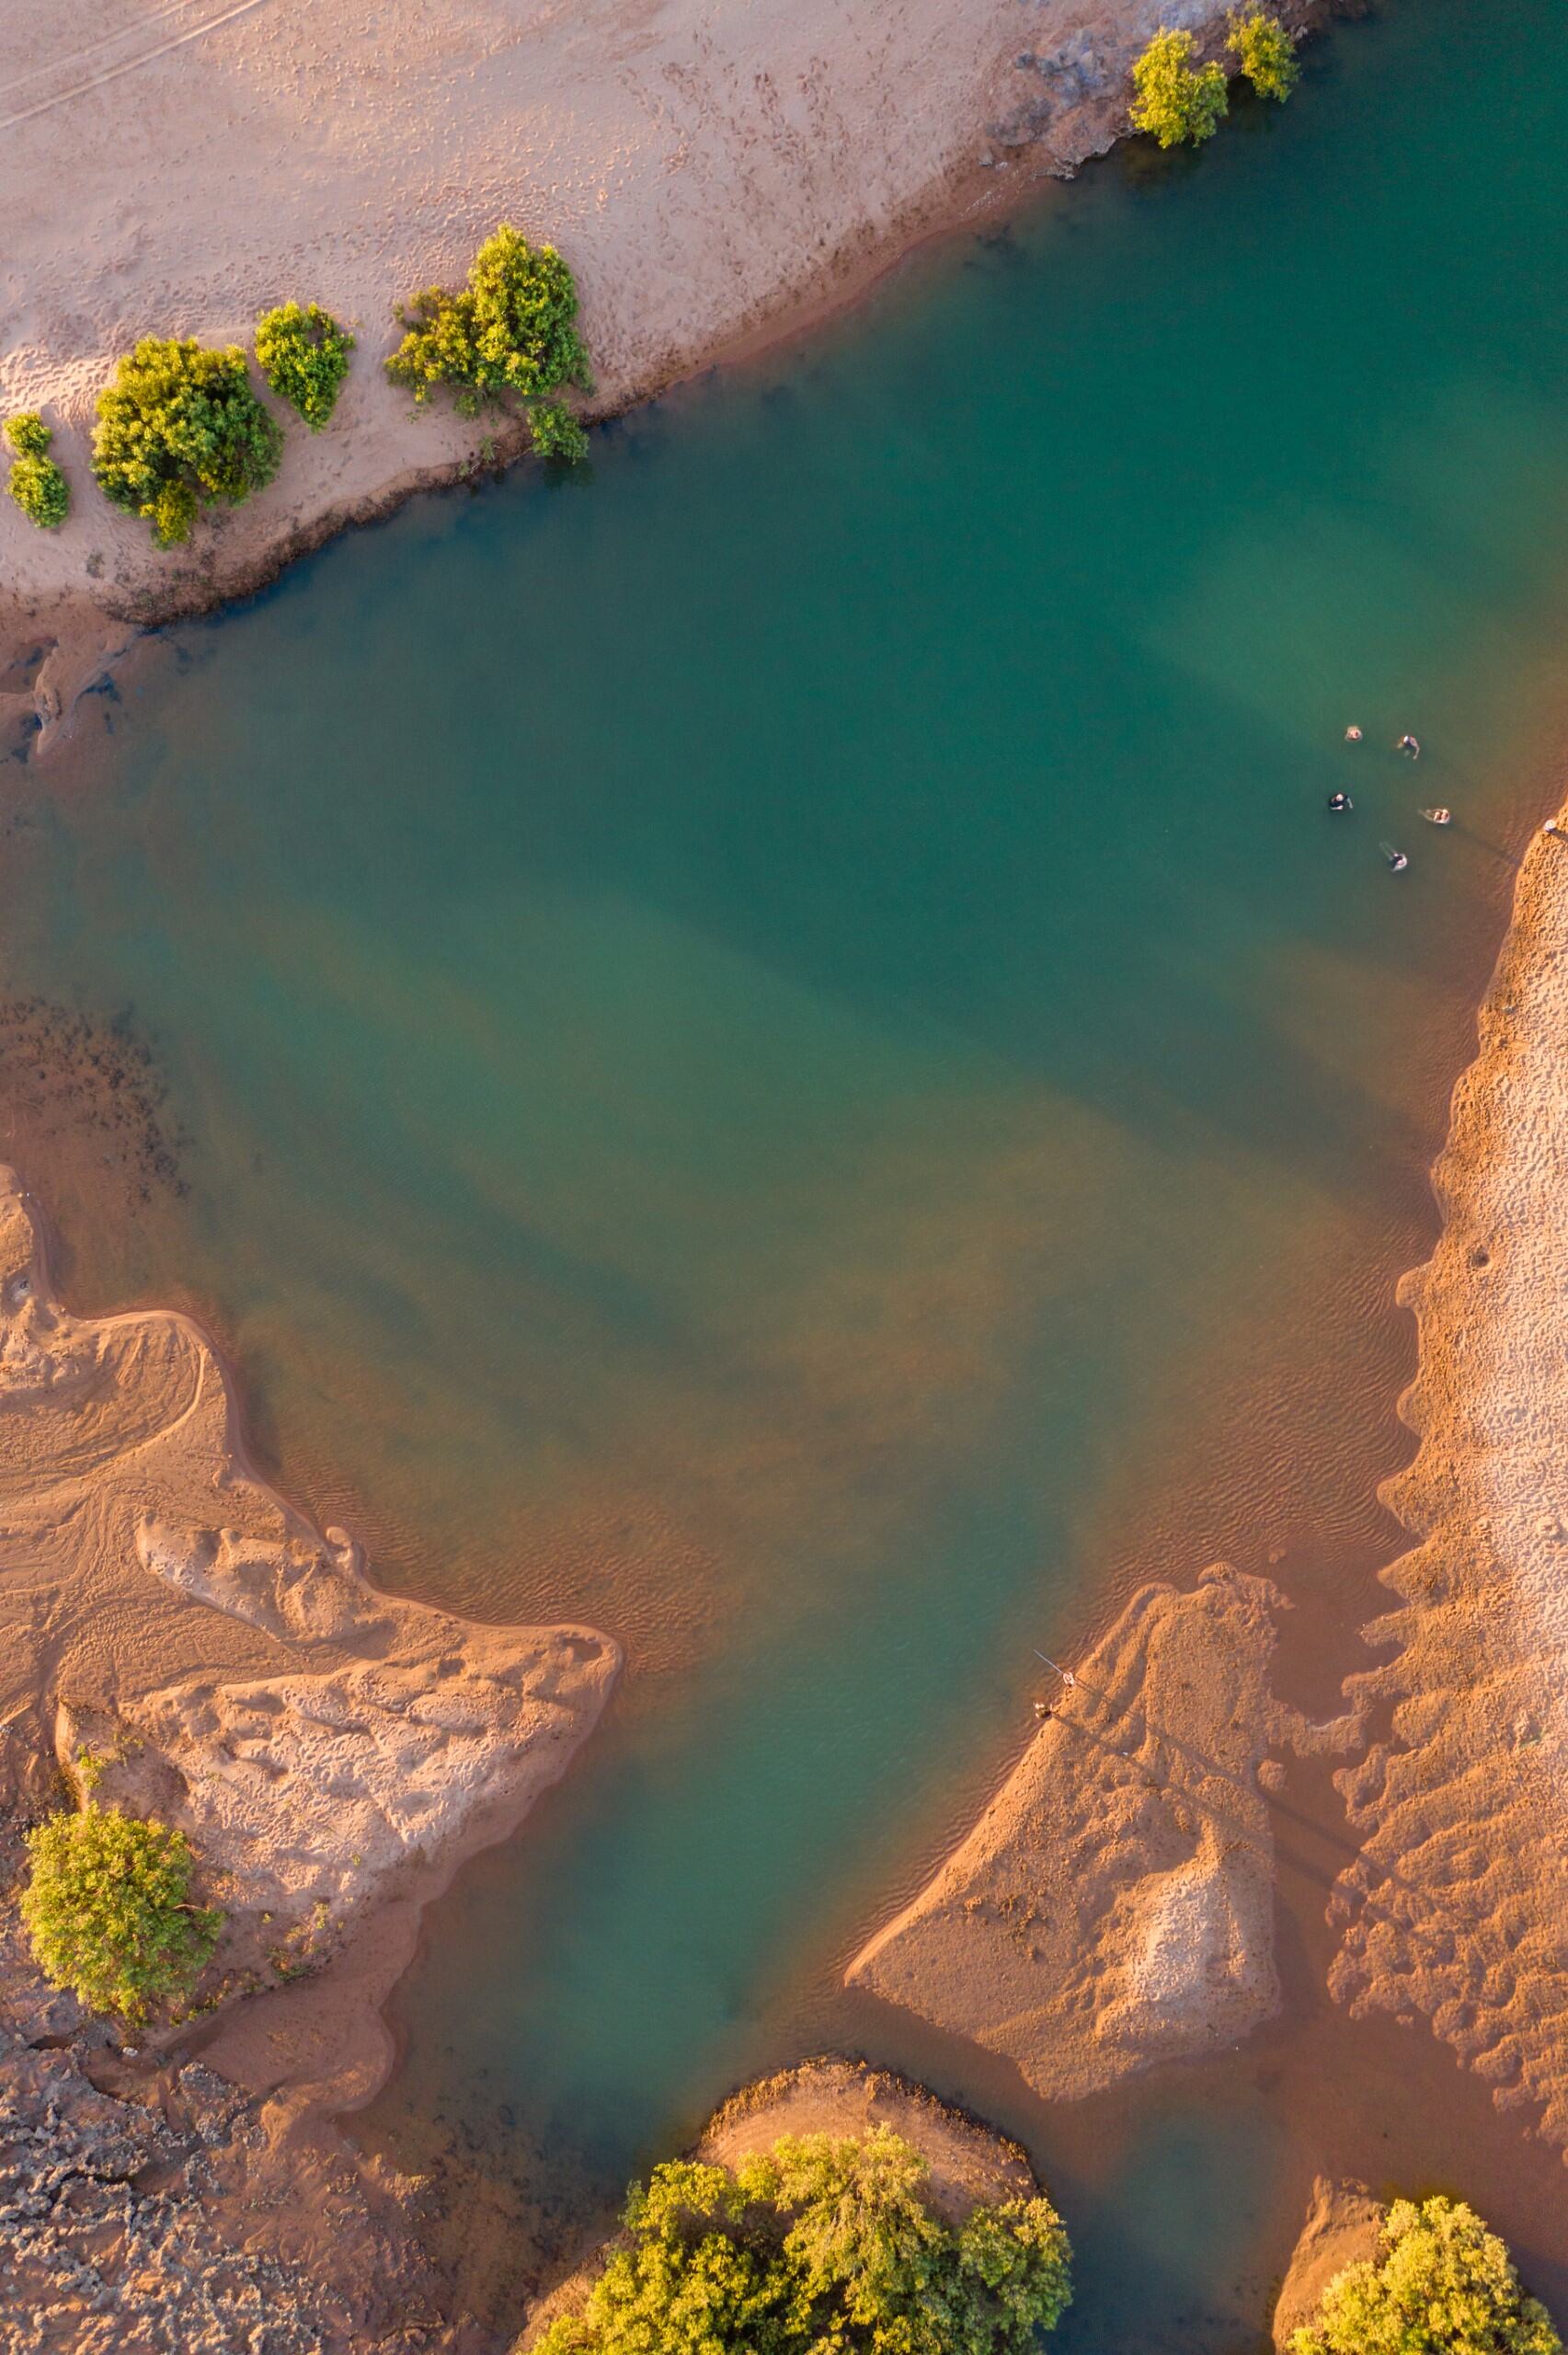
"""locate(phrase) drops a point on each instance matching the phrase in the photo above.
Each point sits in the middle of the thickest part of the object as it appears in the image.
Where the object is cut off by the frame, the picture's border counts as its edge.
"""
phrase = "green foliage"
(1178, 103)
(41, 491)
(304, 354)
(1441, 2285)
(1264, 50)
(107, 1909)
(181, 425)
(557, 434)
(824, 2246)
(511, 330)
(28, 434)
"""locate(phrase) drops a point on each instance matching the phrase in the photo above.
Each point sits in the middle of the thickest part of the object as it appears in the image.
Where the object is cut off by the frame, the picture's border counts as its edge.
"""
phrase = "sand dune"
(1455, 1909)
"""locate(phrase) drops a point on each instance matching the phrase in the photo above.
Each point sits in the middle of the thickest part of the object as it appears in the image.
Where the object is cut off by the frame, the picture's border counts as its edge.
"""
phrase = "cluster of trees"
(1181, 103)
(824, 2243)
(1441, 2284)
(181, 427)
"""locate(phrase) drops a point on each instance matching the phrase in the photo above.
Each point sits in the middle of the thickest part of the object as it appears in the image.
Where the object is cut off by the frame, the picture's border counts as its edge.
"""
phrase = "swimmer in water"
(1396, 858)
(1353, 735)
(1408, 744)
(1438, 817)
(1340, 802)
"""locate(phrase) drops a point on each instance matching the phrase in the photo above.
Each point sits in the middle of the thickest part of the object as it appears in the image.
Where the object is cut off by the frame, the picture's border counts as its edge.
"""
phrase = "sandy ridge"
(1454, 1910)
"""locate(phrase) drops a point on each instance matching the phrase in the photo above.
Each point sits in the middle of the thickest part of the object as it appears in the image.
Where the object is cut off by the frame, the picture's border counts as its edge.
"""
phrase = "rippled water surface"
(776, 1050)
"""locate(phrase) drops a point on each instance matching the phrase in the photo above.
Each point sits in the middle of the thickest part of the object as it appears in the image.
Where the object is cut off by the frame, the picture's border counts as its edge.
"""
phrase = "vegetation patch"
(36, 483)
(1264, 51)
(109, 1912)
(823, 2245)
(179, 427)
(1441, 2285)
(1178, 103)
(510, 331)
(304, 354)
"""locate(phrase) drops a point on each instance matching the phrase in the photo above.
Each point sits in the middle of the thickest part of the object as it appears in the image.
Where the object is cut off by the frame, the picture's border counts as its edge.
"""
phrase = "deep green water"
(776, 1050)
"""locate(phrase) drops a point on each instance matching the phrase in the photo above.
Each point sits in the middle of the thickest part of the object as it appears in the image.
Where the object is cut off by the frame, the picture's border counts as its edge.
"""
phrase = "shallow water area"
(776, 1050)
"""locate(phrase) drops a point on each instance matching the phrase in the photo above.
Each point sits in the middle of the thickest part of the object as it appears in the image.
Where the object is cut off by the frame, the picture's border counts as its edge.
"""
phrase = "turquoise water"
(776, 1050)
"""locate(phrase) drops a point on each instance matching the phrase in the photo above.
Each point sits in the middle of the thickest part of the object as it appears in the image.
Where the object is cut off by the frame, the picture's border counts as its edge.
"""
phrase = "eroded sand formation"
(172, 166)
(179, 1637)
(1456, 1906)
(1114, 1905)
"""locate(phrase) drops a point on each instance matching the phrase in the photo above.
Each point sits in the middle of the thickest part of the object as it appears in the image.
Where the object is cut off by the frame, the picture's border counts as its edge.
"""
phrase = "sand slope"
(1114, 1905)
(1456, 1908)
(175, 166)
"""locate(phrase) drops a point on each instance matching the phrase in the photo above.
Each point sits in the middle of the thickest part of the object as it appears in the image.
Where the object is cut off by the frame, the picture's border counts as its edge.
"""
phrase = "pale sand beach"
(710, 172)
(1454, 1910)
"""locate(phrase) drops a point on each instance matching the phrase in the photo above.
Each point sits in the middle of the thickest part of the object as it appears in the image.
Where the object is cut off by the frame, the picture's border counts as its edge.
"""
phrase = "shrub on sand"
(1178, 103)
(36, 483)
(1264, 51)
(510, 331)
(822, 2242)
(1442, 2284)
(179, 426)
(557, 434)
(107, 1910)
(304, 354)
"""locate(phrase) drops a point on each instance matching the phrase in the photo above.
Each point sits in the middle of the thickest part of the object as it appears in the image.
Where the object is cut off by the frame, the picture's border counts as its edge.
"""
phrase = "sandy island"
(178, 1638)
(1455, 1908)
(969, 2163)
(1113, 1907)
(711, 173)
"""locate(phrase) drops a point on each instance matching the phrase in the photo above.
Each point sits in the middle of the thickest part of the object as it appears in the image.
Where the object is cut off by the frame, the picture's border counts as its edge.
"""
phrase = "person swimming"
(1353, 734)
(1407, 744)
(1340, 802)
(1396, 858)
(1438, 817)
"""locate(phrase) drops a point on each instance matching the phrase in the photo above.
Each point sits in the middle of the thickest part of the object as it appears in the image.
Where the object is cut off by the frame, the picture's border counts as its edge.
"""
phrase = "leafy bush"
(822, 2244)
(1264, 50)
(107, 1909)
(181, 425)
(28, 434)
(1178, 103)
(511, 329)
(1442, 2285)
(304, 357)
(557, 434)
(41, 491)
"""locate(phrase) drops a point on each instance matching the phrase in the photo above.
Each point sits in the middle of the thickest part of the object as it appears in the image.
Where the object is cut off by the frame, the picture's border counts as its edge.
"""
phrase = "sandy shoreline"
(1454, 1909)
(717, 180)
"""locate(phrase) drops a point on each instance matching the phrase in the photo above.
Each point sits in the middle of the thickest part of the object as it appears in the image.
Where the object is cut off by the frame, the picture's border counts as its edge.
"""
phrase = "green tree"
(510, 331)
(36, 483)
(1176, 102)
(304, 354)
(1442, 2284)
(180, 425)
(1264, 50)
(109, 1911)
(823, 2245)
(27, 435)
(557, 434)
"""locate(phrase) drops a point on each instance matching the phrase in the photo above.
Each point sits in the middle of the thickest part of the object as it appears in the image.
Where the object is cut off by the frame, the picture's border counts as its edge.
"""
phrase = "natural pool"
(776, 1050)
